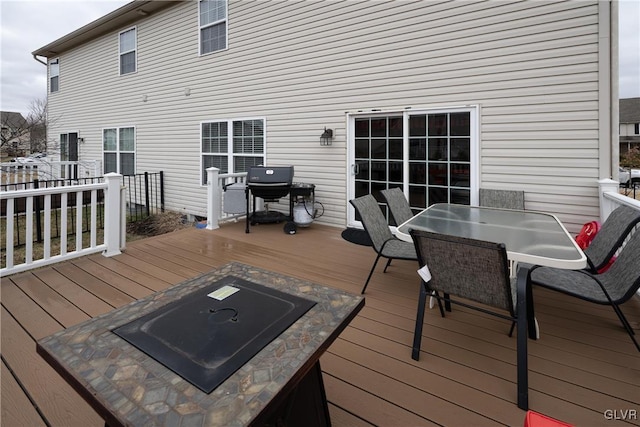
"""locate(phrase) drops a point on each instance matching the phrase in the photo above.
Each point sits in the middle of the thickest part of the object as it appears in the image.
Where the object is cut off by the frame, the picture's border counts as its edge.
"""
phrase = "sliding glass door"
(430, 155)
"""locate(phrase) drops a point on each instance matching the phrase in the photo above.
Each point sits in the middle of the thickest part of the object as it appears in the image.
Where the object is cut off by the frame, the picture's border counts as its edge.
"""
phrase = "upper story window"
(119, 150)
(232, 145)
(54, 75)
(128, 46)
(213, 25)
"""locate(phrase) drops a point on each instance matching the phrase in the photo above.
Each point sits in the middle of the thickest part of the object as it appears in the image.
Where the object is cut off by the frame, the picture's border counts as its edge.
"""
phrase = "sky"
(27, 25)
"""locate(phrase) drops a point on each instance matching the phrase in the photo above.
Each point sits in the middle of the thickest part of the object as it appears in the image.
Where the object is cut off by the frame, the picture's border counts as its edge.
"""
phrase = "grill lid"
(276, 175)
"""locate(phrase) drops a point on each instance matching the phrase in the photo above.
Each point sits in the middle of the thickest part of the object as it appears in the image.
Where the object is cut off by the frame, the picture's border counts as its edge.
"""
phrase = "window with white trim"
(128, 45)
(54, 75)
(119, 150)
(213, 25)
(232, 145)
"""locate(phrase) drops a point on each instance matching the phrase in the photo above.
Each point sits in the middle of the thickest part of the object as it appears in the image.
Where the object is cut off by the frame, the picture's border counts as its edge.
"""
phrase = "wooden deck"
(584, 369)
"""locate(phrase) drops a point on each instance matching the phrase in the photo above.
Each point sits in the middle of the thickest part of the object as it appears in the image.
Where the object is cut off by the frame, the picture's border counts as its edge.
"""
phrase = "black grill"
(270, 184)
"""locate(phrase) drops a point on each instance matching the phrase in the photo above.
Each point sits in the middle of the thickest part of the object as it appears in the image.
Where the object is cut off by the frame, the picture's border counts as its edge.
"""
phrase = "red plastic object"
(608, 265)
(588, 232)
(535, 419)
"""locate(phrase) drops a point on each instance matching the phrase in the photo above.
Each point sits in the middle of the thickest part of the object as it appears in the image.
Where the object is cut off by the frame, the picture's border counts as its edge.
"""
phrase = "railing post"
(112, 214)
(606, 205)
(213, 198)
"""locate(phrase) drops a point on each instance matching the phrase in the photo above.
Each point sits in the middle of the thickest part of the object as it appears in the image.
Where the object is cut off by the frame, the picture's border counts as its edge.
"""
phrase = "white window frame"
(118, 151)
(134, 50)
(474, 160)
(230, 154)
(56, 62)
(211, 24)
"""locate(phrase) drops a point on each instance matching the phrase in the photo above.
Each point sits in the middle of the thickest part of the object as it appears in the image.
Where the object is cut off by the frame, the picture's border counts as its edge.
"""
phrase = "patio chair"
(384, 242)
(398, 205)
(614, 287)
(505, 199)
(477, 271)
(612, 234)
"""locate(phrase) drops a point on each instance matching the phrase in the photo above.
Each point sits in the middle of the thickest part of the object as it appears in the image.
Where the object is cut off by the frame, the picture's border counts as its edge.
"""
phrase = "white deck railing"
(114, 223)
(19, 172)
(610, 198)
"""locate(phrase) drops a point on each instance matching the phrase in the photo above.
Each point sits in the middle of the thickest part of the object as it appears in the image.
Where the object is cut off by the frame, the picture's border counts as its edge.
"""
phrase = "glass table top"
(529, 236)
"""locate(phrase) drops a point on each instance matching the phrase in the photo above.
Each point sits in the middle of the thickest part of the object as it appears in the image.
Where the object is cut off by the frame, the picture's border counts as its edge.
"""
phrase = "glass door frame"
(474, 113)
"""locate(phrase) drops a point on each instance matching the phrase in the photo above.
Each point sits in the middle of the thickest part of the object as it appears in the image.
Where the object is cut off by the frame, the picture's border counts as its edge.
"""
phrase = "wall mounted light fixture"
(326, 137)
(80, 140)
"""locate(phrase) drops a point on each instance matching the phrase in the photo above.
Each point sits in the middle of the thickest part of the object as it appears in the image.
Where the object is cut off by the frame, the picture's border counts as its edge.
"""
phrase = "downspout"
(615, 89)
(36, 58)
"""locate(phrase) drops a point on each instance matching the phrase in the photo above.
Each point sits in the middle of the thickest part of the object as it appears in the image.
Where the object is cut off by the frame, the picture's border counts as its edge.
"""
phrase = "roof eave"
(117, 19)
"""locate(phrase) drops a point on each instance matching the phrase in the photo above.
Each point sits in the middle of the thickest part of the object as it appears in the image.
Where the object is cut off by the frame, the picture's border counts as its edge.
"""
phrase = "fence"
(83, 216)
(144, 196)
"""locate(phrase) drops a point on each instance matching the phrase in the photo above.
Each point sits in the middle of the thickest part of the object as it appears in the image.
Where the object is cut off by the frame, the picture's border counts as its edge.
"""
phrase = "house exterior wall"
(538, 70)
(629, 128)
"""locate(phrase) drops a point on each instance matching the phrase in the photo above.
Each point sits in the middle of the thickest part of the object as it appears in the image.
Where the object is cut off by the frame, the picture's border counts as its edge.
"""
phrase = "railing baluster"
(9, 239)
(28, 238)
(94, 206)
(47, 226)
(79, 197)
(63, 224)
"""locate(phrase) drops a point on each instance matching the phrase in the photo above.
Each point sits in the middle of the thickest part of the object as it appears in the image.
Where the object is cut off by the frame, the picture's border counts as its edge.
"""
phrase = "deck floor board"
(583, 365)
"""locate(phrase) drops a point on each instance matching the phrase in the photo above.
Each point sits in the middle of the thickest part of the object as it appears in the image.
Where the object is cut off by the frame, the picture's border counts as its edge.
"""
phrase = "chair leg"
(626, 324)
(417, 334)
(388, 264)
(513, 326)
(523, 318)
(447, 303)
(370, 274)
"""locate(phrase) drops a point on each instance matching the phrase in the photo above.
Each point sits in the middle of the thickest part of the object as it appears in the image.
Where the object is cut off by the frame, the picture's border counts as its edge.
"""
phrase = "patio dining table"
(530, 238)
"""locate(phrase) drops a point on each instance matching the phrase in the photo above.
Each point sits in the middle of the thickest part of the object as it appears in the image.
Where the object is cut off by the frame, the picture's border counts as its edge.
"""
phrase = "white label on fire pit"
(224, 292)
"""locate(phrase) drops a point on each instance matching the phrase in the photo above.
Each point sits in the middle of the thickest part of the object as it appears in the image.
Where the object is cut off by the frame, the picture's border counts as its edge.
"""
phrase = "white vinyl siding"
(533, 68)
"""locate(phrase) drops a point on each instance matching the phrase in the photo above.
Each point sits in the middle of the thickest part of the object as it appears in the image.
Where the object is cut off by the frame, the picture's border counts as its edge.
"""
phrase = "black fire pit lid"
(209, 334)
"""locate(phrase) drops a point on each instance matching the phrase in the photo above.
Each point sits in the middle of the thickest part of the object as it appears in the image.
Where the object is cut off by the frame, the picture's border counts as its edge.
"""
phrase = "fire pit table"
(236, 346)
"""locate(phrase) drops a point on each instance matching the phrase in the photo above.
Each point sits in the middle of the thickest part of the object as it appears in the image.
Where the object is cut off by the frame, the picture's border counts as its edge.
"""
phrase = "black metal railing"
(145, 194)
